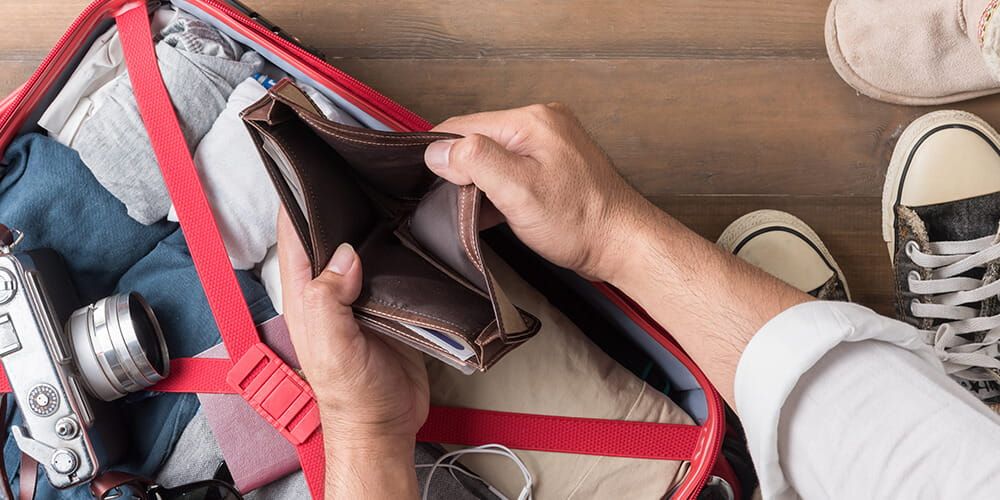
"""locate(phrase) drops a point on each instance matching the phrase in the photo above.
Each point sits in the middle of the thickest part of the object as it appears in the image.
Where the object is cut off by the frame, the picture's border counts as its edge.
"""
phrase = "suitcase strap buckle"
(276, 392)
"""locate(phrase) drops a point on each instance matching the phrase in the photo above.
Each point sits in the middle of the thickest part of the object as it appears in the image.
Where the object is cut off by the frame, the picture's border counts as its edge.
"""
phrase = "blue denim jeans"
(48, 193)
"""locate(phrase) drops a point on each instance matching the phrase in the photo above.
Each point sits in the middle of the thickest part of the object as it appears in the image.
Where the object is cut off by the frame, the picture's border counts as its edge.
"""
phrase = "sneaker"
(786, 248)
(916, 52)
(940, 211)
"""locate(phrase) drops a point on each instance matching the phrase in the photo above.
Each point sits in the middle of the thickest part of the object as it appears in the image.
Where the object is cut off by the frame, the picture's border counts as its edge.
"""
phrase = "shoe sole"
(855, 81)
(747, 225)
(914, 134)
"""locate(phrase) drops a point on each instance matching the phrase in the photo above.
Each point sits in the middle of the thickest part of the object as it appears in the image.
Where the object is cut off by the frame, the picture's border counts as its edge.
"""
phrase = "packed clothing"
(91, 189)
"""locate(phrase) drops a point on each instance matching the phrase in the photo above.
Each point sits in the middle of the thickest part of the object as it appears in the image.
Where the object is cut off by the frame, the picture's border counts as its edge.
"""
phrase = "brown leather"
(28, 478)
(7, 493)
(418, 236)
(110, 480)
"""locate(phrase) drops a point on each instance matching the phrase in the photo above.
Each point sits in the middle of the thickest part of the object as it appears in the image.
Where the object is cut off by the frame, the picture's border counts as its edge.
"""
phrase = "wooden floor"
(711, 108)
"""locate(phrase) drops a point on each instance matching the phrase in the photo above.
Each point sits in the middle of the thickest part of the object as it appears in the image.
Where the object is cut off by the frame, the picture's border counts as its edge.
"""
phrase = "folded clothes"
(49, 194)
(101, 64)
(327, 107)
(582, 381)
(112, 139)
(236, 183)
(170, 284)
(270, 276)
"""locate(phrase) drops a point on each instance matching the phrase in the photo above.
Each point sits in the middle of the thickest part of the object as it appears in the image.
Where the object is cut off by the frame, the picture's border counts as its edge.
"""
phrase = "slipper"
(925, 52)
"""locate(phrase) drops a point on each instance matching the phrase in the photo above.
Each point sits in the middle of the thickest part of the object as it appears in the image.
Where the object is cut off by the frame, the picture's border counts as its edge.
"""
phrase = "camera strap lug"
(276, 392)
(9, 238)
(64, 461)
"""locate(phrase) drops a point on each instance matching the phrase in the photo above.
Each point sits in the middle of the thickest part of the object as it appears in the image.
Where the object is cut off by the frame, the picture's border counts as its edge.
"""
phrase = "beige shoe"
(940, 214)
(786, 248)
(916, 52)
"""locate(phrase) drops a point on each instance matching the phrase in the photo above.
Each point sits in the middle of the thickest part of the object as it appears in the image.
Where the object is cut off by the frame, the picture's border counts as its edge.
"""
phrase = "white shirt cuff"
(782, 351)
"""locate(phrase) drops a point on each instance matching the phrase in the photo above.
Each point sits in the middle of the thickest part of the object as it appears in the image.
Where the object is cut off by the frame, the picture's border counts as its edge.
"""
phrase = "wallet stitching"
(312, 198)
(484, 340)
(285, 198)
(422, 315)
(462, 207)
(340, 135)
(476, 257)
(313, 116)
(334, 130)
(410, 320)
(407, 335)
(461, 231)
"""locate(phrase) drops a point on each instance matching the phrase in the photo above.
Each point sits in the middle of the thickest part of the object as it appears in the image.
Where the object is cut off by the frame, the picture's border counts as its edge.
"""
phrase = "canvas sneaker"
(940, 214)
(788, 249)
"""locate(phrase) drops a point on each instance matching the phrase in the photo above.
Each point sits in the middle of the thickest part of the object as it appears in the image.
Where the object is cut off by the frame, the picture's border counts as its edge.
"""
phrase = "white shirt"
(839, 402)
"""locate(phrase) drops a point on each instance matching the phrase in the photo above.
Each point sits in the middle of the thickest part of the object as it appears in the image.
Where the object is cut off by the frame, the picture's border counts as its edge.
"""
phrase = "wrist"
(370, 466)
(627, 238)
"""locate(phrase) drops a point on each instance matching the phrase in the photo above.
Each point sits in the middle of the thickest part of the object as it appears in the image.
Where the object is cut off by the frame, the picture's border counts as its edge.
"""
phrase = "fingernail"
(342, 259)
(436, 155)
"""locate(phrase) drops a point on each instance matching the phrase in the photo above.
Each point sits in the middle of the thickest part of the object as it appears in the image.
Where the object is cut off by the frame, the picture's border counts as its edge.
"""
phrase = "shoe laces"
(967, 343)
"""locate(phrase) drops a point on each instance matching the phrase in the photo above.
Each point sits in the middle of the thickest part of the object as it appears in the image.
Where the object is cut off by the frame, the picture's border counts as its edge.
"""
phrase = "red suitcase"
(701, 445)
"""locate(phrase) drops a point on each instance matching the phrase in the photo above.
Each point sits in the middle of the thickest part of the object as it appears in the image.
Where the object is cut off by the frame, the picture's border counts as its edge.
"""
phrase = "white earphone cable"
(448, 460)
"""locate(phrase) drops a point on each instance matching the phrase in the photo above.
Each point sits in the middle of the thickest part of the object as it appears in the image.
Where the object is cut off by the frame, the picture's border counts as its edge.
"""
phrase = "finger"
(477, 159)
(293, 265)
(507, 127)
(489, 216)
(326, 304)
(341, 279)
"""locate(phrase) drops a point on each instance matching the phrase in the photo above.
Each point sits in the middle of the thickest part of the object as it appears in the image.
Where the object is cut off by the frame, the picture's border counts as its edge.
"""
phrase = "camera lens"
(118, 346)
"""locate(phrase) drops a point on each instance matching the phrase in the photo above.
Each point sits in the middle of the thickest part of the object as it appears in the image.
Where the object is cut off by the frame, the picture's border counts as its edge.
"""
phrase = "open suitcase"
(702, 445)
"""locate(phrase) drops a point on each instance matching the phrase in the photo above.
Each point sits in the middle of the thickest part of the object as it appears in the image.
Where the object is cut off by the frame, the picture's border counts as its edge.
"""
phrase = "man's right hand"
(557, 189)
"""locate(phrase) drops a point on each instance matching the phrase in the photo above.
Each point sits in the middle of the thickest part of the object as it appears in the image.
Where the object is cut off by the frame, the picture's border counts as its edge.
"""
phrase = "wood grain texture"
(504, 28)
(710, 110)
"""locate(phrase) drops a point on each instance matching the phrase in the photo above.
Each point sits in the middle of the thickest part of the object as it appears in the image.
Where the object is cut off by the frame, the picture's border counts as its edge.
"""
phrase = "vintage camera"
(64, 362)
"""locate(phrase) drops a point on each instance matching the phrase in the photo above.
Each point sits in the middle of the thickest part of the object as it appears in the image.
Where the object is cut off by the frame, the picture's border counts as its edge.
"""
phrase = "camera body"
(65, 362)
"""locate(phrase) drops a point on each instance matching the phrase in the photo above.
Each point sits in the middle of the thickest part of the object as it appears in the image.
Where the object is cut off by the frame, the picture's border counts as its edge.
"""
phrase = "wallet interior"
(425, 281)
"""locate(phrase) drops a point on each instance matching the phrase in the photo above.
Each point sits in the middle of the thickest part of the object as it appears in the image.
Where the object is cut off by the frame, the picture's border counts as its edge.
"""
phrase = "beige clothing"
(561, 372)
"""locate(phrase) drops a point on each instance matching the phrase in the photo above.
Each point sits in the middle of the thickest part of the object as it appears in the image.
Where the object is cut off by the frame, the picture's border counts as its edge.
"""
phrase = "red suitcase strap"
(218, 279)
(274, 390)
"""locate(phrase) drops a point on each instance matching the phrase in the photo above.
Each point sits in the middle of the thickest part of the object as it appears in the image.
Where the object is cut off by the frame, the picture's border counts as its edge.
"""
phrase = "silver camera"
(64, 362)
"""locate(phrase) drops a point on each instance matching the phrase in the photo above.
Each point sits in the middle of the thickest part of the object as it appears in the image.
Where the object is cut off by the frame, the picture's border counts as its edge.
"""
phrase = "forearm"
(376, 468)
(709, 300)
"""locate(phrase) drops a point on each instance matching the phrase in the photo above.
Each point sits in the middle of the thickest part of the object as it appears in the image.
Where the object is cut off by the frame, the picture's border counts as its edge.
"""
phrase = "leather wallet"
(425, 280)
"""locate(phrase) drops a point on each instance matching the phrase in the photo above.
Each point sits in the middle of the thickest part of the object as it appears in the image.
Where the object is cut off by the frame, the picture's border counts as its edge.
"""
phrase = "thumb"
(479, 160)
(337, 287)
(327, 320)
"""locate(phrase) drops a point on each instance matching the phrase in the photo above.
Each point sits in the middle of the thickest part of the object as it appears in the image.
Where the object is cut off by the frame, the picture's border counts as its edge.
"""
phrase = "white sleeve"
(839, 402)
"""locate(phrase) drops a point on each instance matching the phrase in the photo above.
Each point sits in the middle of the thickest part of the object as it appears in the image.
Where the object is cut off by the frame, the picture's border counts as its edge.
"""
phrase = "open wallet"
(425, 280)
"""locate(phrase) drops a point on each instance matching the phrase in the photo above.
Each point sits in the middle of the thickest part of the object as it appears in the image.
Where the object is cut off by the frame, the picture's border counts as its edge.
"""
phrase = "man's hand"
(558, 191)
(372, 392)
(564, 199)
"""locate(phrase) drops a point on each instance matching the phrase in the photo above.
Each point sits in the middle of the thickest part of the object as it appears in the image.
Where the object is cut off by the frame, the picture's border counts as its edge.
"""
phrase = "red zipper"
(404, 117)
(366, 98)
(399, 118)
(25, 89)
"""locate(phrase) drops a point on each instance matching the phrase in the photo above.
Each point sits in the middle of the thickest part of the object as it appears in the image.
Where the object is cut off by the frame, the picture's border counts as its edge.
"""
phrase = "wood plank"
(577, 29)
(678, 126)
(849, 227)
(683, 126)
(15, 73)
(33, 30)
(500, 28)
